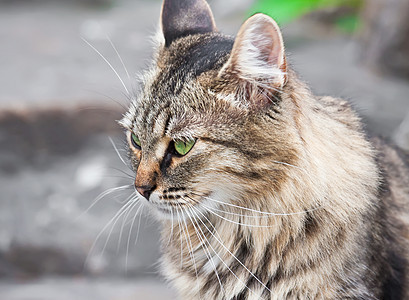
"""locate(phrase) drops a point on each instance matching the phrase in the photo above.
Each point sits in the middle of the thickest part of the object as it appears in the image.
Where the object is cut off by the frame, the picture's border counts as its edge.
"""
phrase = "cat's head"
(210, 123)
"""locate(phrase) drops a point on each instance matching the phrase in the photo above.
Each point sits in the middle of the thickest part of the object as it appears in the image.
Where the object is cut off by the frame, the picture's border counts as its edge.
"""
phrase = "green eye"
(182, 148)
(135, 141)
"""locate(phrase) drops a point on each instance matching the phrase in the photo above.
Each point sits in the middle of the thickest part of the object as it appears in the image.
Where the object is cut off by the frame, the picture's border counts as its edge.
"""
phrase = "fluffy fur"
(282, 195)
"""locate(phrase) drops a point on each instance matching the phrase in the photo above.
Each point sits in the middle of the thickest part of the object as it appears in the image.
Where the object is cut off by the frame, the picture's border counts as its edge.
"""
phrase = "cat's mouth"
(175, 206)
(174, 210)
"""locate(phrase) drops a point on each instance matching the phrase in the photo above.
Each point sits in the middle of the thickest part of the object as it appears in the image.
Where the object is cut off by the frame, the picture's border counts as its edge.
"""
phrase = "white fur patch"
(251, 61)
(258, 52)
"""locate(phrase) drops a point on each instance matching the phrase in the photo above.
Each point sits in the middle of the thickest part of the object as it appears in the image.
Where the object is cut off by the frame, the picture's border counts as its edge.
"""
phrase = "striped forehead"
(187, 59)
(178, 67)
(156, 117)
(152, 118)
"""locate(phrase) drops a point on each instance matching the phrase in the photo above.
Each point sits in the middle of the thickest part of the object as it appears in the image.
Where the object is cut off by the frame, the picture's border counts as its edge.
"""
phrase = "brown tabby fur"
(341, 229)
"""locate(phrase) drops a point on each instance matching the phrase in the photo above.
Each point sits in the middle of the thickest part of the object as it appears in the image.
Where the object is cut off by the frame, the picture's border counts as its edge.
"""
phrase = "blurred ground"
(58, 104)
(85, 289)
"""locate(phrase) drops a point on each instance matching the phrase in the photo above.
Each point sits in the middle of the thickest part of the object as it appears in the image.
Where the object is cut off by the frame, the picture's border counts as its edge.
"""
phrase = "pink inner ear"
(276, 52)
(258, 53)
(266, 38)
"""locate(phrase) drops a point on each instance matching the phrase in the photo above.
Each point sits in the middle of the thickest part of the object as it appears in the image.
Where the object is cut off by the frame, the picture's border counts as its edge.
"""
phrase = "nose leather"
(145, 190)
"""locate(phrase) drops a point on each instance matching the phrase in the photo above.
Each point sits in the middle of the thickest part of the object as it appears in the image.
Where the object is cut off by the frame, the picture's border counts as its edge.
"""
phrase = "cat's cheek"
(153, 204)
(135, 159)
(137, 154)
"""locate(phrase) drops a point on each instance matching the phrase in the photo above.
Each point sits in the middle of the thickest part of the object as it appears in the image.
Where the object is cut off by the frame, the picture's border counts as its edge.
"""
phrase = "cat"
(264, 190)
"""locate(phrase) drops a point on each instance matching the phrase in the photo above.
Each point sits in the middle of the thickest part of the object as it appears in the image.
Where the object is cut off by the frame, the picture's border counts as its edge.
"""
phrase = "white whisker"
(127, 176)
(211, 210)
(171, 227)
(140, 208)
(117, 152)
(238, 223)
(120, 58)
(205, 248)
(112, 68)
(139, 226)
(221, 244)
(124, 223)
(263, 212)
(234, 214)
(181, 241)
(101, 196)
(192, 255)
(129, 205)
(231, 255)
(115, 217)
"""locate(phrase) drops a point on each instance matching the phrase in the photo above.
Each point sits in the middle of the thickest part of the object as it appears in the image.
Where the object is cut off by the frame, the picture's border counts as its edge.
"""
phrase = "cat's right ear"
(180, 18)
(258, 54)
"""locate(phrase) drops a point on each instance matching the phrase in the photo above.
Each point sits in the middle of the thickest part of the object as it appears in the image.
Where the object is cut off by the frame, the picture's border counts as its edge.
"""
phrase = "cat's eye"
(182, 148)
(135, 141)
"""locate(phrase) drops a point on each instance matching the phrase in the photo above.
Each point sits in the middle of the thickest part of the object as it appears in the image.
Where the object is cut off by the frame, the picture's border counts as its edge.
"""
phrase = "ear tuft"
(258, 53)
(180, 18)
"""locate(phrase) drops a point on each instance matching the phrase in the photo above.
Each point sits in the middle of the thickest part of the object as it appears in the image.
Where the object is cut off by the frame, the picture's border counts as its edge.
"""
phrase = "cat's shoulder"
(393, 162)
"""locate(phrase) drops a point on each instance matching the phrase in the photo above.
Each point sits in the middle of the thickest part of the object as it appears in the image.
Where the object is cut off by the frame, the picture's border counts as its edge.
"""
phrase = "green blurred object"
(348, 24)
(284, 11)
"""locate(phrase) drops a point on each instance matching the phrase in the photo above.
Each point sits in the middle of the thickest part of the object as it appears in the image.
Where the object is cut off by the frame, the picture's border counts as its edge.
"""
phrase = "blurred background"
(59, 102)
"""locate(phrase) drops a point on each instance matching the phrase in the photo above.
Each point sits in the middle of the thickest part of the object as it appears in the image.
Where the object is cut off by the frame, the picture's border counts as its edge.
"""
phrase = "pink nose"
(146, 190)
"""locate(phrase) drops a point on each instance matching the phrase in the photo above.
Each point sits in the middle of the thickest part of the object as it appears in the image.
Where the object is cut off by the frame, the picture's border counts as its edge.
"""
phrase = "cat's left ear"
(180, 18)
(258, 53)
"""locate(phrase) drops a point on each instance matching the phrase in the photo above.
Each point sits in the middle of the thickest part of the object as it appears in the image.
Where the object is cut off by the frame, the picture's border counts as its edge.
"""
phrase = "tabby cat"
(265, 191)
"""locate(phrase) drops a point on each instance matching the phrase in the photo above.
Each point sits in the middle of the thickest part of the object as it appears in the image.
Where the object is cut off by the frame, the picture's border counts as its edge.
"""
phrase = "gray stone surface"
(58, 104)
(85, 289)
(45, 62)
(45, 213)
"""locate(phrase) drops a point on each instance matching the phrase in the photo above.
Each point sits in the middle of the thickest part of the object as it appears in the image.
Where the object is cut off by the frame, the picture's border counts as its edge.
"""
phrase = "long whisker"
(109, 64)
(232, 213)
(117, 152)
(120, 58)
(139, 226)
(140, 208)
(263, 212)
(221, 243)
(127, 175)
(118, 176)
(181, 241)
(129, 205)
(205, 247)
(231, 255)
(197, 203)
(101, 196)
(211, 210)
(171, 228)
(238, 223)
(115, 217)
(105, 96)
(124, 223)
(192, 255)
